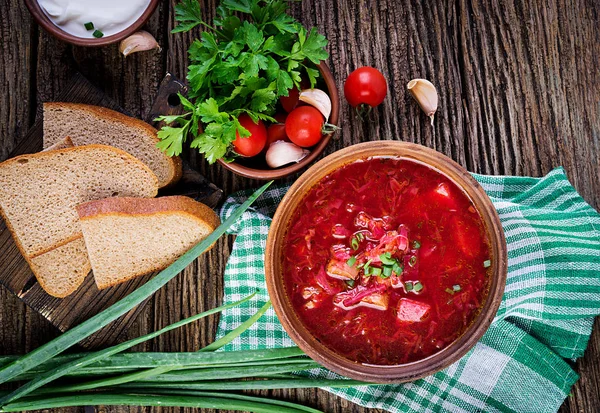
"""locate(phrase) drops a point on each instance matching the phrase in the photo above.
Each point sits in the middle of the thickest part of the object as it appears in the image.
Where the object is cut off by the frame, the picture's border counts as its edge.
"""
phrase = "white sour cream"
(108, 16)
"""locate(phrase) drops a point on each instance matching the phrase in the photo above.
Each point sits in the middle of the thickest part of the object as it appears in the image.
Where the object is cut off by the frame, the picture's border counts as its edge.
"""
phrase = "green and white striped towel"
(546, 316)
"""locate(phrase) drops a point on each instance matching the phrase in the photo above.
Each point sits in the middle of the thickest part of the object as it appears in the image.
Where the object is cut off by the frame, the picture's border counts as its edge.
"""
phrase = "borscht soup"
(386, 261)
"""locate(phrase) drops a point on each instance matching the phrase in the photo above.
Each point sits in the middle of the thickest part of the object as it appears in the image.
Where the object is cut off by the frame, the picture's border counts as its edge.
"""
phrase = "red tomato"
(304, 126)
(365, 86)
(290, 101)
(276, 132)
(253, 144)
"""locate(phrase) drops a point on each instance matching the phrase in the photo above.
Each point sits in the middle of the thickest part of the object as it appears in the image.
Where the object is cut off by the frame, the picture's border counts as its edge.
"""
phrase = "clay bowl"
(43, 20)
(327, 357)
(255, 169)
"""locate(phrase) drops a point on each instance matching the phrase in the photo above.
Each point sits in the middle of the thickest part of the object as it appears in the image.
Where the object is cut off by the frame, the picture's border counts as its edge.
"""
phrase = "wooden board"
(88, 300)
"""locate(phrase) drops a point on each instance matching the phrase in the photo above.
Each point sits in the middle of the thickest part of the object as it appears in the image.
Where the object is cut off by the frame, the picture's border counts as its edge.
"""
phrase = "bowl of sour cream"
(91, 22)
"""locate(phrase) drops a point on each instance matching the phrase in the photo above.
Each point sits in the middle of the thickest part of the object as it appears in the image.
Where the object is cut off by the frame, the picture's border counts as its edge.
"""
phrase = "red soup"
(386, 261)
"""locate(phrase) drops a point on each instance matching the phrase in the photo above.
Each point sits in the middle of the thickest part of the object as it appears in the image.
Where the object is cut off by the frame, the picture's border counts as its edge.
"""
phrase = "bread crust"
(102, 112)
(148, 206)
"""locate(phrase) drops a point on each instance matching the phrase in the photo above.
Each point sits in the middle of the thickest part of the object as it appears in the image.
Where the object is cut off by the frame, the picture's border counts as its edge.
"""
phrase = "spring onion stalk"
(152, 373)
(256, 404)
(240, 397)
(95, 323)
(102, 354)
(267, 384)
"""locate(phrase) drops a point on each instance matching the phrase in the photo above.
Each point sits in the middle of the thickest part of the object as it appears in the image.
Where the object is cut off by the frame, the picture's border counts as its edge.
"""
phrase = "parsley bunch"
(238, 66)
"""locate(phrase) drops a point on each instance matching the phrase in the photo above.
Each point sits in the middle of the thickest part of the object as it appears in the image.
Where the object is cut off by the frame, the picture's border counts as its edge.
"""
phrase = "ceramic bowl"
(43, 20)
(326, 356)
(258, 169)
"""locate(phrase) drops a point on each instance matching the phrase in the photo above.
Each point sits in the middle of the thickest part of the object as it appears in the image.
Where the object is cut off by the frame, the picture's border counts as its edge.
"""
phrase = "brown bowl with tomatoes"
(298, 123)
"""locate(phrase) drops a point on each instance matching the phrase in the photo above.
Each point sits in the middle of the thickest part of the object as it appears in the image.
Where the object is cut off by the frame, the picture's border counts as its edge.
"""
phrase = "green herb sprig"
(236, 67)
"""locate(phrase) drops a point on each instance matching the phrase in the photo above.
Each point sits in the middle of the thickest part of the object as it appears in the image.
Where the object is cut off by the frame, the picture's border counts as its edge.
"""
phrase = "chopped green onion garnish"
(412, 261)
(416, 245)
(387, 272)
(360, 236)
(408, 286)
(376, 271)
(89, 26)
(386, 258)
(354, 243)
(418, 286)
(487, 263)
(97, 34)
(397, 268)
(456, 287)
(351, 261)
(350, 283)
(450, 291)
(366, 269)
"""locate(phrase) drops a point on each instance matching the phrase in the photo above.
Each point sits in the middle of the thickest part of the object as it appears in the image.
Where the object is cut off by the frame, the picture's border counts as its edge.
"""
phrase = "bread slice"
(87, 124)
(129, 237)
(38, 196)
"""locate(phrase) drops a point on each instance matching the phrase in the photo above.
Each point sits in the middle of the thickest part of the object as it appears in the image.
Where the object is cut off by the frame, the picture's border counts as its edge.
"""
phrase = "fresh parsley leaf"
(188, 14)
(170, 119)
(314, 47)
(253, 37)
(245, 6)
(284, 83)
(171, 139)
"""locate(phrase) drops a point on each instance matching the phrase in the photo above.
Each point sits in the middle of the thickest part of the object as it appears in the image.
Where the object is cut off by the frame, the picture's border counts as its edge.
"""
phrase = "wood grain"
(519, 93)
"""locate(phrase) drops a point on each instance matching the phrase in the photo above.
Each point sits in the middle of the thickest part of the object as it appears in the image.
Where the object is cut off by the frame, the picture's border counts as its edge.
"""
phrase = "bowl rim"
(378, 373)
(43, 20)
(268, 174)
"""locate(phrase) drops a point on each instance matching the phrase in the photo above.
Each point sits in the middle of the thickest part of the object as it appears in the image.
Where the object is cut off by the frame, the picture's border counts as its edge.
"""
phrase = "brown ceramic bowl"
(258, 169)
(324, 355)
(44, 21)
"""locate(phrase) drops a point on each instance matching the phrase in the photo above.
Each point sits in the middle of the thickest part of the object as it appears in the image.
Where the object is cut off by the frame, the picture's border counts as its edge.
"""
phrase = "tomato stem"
(328, 128)
(363, 111)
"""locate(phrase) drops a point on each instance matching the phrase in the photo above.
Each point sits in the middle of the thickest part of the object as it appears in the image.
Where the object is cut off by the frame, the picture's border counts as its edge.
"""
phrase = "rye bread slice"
(129, 237)
(38, 196)
(88, 124)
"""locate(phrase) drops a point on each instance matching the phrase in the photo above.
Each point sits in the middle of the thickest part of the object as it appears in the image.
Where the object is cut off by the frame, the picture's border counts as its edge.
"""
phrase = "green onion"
(224, 402)
(354, 243)
(350, 283)
(360, 236)
(89, 26)
(387, 272)
(398, 269)
(417, 287)
(98, 34)
(95, 323)
(408, 286)
(456, 287)
(92, 357)
(351, 261)
(416, 245)
(386, 259)
(367, 267)
(376, 271)
(412, 261)
(487, 263)
(450, 291)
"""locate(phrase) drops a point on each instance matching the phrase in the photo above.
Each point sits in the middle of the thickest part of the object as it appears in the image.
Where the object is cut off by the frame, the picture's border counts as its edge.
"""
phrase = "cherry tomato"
(253, 144)
(365, 86)
(276, 132)
(290, 101)
(304, 126)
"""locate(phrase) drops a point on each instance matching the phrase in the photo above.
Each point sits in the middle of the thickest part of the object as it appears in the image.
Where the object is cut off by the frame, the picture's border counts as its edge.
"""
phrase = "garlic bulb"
(138, 42)
(425, 94)
(319, 99)
(281, 153)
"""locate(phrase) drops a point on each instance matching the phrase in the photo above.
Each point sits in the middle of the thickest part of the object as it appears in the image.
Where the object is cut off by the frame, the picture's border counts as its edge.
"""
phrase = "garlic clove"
(319, 99)
(282, 153)
(138, 42)
(425, 94)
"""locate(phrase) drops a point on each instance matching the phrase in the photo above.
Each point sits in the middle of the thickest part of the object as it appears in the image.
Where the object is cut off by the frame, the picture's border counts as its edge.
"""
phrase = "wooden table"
(519, 94)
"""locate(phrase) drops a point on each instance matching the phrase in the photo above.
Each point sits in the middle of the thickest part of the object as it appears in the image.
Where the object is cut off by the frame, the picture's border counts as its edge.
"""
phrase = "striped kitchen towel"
(546, 316)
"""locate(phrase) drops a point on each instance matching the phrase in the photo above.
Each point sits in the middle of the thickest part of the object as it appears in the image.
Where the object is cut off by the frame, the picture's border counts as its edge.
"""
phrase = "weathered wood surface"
(519, 94)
